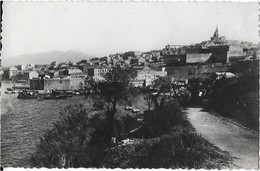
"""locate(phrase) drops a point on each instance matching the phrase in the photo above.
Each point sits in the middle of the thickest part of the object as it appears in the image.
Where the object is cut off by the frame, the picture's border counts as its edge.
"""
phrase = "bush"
(66, 143)
(78, 139)
(162, 120)
(238, 99)
(181, 148)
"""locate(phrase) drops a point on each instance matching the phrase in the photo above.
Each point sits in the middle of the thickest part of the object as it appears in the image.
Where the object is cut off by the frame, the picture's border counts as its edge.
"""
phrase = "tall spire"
(216, 32)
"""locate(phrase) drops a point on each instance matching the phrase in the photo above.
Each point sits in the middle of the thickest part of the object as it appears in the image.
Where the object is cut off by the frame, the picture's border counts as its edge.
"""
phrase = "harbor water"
(23, 123)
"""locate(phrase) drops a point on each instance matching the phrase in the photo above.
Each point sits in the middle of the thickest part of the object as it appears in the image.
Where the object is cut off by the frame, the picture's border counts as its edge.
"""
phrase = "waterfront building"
(25, 76)
(10, 72)
(56, 84)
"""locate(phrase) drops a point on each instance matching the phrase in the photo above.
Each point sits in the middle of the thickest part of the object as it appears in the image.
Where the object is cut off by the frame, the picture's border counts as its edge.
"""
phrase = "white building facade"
(149, 75)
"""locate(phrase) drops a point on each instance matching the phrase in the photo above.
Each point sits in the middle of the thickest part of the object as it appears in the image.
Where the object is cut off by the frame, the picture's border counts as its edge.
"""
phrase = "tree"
(116, 87)
(113, 90)
(163, 90)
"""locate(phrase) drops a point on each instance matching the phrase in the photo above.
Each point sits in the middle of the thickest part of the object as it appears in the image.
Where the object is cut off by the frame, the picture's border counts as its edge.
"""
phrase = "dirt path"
(241, 143)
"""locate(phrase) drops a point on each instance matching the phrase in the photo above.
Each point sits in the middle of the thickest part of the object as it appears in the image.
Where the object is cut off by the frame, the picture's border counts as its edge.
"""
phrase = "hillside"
(45, 58)
(244, 44)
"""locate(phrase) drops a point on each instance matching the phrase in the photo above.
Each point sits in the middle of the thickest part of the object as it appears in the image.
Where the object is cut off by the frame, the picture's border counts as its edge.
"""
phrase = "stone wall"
(37, 84)
(63, 84)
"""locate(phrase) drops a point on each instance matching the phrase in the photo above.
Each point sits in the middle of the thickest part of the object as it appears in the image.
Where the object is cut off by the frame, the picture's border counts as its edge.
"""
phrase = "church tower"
(216, 33)
(215, 37)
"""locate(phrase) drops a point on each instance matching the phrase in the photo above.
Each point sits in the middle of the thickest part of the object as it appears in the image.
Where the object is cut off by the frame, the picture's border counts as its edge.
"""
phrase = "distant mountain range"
(45, 58)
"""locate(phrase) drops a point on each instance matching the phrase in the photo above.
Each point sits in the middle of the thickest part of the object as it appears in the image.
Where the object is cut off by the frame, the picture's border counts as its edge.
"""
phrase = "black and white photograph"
(129, 84)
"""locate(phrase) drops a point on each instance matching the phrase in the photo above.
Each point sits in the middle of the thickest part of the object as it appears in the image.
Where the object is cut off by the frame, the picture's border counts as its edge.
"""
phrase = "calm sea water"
(23, 122)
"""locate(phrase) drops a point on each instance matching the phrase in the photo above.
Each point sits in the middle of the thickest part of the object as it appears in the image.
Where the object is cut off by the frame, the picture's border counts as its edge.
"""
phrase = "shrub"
(181, 148)
(78, 139)
(66, 143)
(163, 120)
(238, 99)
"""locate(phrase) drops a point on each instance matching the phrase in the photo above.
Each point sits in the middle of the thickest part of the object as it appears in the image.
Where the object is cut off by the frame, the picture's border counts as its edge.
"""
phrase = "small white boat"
(10, 91)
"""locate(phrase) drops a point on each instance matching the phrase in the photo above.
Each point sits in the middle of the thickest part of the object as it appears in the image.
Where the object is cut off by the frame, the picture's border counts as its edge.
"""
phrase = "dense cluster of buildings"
(178, 62)
(70, 76)
(215, 50)
(184, 62)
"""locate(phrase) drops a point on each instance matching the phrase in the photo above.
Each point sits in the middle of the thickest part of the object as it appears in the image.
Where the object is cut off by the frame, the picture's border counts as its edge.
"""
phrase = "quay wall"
(60, 84)
(76, 83)
(37, 84)
(57, 83)
(63, 84)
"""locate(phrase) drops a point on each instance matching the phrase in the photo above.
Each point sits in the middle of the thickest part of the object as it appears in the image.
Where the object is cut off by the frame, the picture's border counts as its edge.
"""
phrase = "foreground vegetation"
(237, 98)
(84, 137)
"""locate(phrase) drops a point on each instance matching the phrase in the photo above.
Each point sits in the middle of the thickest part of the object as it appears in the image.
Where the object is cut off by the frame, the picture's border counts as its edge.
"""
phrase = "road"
(241, 143)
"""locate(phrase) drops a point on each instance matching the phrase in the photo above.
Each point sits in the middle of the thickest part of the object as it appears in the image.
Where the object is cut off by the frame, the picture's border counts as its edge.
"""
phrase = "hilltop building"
(217, 39)
(221, 50)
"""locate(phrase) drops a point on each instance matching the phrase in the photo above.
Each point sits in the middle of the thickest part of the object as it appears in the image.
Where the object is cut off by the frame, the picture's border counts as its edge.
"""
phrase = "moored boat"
(10, 91)
(25, 94)
(50, 96)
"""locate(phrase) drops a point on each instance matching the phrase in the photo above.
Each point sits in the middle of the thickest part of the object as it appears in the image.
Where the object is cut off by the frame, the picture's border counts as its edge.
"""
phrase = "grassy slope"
(73, 143)
(180, 148)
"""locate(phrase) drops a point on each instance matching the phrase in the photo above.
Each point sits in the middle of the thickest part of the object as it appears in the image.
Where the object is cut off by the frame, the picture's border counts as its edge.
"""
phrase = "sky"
(103, 28)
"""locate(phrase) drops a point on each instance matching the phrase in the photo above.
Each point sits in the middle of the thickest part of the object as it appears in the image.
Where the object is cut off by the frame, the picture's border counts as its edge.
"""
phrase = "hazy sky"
(102, 28)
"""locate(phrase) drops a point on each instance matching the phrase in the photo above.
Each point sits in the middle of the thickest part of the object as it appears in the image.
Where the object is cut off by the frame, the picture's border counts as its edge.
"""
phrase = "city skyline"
(107, 28)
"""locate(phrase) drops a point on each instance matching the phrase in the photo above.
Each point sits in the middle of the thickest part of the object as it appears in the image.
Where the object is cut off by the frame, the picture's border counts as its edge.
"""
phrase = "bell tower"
(215, 37)
(216, 33)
